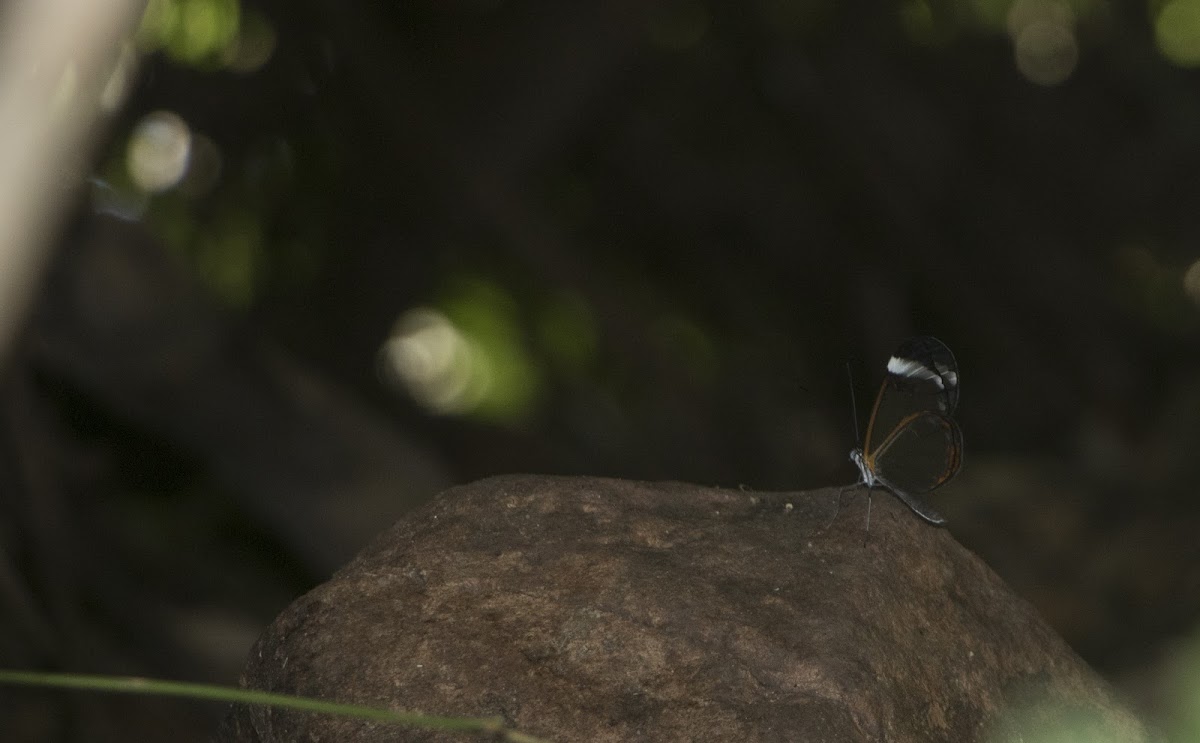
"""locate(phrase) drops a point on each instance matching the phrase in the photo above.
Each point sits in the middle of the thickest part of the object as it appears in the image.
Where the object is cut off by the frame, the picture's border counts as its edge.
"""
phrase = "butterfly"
(912, 444)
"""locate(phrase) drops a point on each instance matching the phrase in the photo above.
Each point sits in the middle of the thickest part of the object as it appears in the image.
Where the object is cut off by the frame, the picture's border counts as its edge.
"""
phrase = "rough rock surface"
(585, 609)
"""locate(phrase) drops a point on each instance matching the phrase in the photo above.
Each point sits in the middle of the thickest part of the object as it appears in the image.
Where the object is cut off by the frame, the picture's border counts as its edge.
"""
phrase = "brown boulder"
(584, 609)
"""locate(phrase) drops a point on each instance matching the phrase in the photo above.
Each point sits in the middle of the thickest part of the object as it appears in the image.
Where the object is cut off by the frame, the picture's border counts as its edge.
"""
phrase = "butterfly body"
(912, 444)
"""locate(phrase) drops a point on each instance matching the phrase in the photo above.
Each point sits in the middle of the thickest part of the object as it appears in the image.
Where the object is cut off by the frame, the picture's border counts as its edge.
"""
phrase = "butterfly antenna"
(853, 404)
(858, 442)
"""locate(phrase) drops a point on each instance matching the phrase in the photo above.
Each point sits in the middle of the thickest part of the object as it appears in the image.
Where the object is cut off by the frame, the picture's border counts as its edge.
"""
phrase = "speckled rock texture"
(586, 609)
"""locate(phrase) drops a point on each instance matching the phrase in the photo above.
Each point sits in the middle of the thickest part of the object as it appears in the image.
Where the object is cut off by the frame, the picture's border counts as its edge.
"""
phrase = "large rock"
(584, 609)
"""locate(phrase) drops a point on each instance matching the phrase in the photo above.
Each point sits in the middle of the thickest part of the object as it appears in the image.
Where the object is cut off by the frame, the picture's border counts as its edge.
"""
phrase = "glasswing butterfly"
(912, 444)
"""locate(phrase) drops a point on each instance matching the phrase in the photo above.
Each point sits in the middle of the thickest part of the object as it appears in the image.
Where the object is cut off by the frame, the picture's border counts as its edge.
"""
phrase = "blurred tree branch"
(63, 65)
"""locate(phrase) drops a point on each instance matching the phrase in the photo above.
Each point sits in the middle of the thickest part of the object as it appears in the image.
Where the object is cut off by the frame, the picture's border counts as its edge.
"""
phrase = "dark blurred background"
(337, 256)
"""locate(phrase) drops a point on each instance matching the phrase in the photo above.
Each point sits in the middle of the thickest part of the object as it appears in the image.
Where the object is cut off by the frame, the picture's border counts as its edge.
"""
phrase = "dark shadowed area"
(335, 257)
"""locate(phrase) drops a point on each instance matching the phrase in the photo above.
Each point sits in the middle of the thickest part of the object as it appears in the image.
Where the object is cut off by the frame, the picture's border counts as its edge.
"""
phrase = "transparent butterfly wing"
(920, 454)
(922, 376)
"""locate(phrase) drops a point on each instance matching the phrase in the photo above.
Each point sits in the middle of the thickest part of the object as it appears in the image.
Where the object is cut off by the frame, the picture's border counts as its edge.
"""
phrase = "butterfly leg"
(838, 506)
(867, 531)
